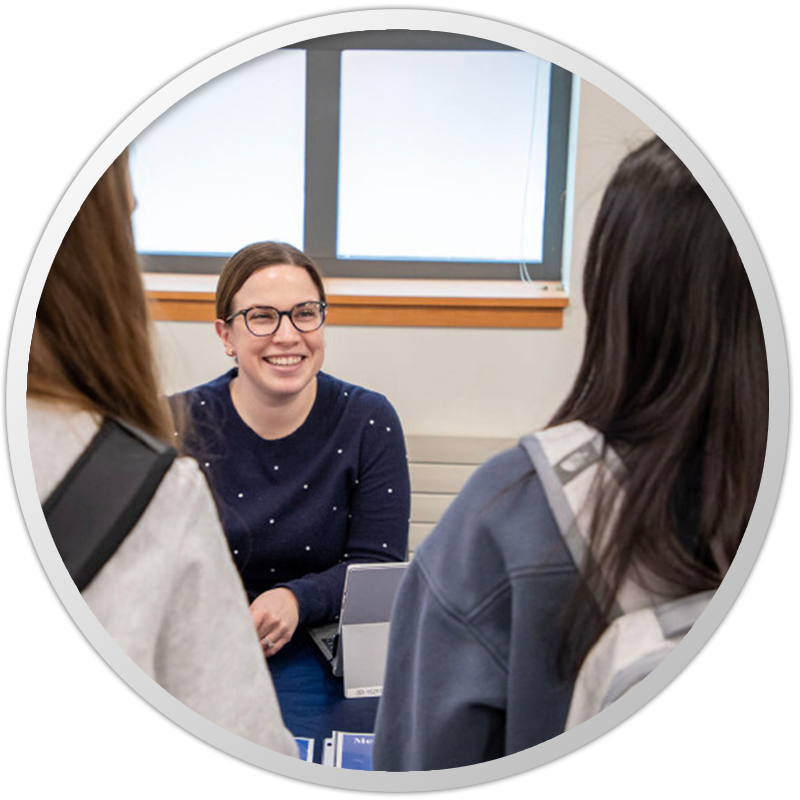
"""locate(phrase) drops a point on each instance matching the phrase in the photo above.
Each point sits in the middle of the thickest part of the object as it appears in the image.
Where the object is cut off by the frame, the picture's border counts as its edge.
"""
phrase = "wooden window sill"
(390, 303)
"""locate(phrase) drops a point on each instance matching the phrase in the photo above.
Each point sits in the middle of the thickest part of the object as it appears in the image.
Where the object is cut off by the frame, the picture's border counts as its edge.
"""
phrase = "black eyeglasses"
(265, 320)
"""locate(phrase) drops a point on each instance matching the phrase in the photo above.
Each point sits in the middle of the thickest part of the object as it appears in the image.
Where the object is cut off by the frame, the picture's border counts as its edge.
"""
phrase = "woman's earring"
(231, 353)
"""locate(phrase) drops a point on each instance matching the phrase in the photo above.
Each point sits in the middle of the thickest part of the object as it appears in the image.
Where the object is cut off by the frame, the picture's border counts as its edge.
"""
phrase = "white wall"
(458, 381)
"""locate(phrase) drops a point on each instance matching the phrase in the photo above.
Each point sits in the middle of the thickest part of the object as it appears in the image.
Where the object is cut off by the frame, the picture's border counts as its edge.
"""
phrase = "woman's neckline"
(288, 430)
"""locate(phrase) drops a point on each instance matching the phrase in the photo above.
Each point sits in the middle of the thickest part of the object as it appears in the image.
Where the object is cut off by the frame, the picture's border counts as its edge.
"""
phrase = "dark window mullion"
(323, 74)
(556, 178)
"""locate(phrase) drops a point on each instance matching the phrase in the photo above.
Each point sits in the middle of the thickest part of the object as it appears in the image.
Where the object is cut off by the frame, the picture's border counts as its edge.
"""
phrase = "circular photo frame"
(587, 70)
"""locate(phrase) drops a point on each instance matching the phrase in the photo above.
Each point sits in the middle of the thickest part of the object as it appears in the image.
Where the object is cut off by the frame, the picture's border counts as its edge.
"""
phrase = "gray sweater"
(170, 596)
(471, 673)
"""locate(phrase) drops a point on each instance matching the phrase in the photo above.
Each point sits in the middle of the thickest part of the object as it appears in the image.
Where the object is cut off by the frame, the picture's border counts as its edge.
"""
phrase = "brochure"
(306, 748)
(353, 750)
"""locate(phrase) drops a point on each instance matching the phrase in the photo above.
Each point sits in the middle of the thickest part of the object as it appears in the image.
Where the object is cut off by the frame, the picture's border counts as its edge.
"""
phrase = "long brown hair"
(674, 374)
(91, 338)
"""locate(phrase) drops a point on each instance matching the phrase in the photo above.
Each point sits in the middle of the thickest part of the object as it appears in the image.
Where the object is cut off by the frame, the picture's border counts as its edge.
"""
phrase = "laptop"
(357, 644)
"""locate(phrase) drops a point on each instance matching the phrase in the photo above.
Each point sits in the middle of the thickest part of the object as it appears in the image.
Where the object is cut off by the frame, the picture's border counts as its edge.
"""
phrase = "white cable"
(524, 275)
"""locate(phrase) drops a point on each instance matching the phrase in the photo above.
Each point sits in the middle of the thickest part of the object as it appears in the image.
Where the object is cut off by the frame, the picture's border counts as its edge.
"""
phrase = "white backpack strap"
(628, 651)
(569, 460)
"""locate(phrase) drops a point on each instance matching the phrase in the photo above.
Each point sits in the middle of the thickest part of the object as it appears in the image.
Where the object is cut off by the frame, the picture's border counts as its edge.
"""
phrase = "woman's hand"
(275, 614)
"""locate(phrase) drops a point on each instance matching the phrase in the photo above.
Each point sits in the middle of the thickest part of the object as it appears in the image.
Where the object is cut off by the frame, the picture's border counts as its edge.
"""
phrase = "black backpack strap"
(102, 497)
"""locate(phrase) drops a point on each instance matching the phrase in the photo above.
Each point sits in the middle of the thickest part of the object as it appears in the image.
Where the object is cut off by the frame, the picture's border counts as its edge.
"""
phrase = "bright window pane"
(443, 155)
(225, 166)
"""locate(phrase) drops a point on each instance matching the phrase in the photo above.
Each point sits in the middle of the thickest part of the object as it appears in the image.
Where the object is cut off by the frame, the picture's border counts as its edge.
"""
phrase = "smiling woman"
(309, 473)
(278, 362)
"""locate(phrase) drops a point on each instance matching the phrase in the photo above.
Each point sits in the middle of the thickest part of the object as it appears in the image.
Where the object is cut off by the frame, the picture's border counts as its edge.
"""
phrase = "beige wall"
(458, 382)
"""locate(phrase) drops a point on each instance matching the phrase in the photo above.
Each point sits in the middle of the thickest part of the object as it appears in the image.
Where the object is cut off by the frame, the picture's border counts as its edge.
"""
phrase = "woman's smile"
(284, 362)
(282, 365)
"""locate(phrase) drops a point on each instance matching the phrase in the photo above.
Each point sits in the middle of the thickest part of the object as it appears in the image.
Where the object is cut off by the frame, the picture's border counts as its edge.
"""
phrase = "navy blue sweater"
(297, 510)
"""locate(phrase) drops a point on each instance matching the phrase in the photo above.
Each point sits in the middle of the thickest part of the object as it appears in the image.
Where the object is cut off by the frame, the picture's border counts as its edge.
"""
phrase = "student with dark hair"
(309, 472)
(169, 595)
(494, 618)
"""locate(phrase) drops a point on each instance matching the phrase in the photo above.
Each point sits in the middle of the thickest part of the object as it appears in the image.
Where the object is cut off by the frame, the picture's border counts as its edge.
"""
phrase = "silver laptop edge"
(368, 596)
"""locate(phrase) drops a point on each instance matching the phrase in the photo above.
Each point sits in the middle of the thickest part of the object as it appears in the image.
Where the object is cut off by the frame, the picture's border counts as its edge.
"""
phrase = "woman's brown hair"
(91, 338)
(674, 374)
(254, 257)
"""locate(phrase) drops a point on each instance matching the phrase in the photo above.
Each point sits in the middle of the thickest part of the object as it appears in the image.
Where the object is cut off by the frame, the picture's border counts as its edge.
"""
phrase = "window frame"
(323, 85)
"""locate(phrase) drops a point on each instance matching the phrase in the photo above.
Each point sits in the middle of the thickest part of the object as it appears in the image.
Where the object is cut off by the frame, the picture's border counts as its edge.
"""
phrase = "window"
(383, 154)
(435, 152)
(225, 166)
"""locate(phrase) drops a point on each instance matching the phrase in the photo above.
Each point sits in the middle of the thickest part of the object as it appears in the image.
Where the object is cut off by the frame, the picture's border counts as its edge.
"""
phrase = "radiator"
(440, 466)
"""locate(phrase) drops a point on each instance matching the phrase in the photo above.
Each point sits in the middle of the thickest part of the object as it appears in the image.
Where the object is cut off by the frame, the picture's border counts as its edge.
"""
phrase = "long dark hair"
(91, 338)
(674, 374)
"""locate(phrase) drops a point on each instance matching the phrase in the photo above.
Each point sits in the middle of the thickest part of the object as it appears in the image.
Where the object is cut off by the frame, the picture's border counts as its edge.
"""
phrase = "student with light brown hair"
(170, 595)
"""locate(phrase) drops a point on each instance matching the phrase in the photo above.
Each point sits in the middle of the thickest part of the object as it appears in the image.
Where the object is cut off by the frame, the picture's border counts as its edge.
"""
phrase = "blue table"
(312, 699)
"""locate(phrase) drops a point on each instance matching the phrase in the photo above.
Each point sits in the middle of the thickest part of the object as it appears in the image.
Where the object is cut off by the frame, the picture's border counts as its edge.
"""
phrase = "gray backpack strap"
(569, 459)
(103, 496)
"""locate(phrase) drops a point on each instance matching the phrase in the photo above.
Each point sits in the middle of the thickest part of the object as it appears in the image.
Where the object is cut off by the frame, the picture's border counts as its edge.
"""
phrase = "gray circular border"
(414, 20)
